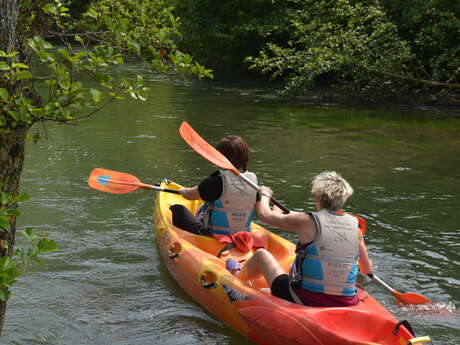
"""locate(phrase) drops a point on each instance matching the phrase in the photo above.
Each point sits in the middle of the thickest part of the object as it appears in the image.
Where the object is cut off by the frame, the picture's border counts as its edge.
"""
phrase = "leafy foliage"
(433, 29)
(223, 33)
(105, 35)
(371, 48)
(10, 269)
(56, 49)
(344, 41)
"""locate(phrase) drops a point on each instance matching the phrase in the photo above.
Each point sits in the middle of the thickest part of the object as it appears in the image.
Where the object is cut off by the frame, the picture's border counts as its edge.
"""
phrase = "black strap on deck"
(225, 248)
(406, 324)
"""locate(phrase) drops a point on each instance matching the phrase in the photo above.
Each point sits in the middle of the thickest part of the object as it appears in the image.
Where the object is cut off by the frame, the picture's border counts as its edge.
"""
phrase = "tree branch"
(417, 80)
(92, 112)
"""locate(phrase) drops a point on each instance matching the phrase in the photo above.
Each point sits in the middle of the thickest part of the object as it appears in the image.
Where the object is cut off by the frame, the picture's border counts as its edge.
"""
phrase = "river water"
(107, 284)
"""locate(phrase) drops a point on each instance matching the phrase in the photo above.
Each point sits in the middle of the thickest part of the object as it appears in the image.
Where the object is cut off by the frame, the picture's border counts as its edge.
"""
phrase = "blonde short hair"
(331, 190)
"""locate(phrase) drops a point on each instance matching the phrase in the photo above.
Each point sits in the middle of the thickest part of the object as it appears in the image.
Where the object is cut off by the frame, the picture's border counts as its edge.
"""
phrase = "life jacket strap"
(327, 282)
(224, 231)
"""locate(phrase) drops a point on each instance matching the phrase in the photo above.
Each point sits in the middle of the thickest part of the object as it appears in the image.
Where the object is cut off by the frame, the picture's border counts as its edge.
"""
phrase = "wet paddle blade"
(196, 142)
(402, 298)
(114, 182)
(410, 298)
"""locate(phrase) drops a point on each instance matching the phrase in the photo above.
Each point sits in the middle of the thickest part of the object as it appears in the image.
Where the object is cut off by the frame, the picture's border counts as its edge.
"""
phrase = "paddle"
(196, 142)
(116, 182)
(403, 298)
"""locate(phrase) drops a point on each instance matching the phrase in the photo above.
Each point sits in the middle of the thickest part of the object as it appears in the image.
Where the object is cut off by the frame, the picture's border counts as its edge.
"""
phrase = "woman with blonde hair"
(330, 248)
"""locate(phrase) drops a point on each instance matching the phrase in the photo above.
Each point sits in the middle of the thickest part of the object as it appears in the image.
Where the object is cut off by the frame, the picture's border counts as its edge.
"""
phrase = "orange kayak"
(249, 308)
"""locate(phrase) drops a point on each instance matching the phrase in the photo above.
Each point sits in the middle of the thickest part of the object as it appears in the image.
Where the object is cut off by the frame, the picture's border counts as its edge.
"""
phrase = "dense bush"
(432, 28)
(341, 43)
(366, 47)
(221, 34)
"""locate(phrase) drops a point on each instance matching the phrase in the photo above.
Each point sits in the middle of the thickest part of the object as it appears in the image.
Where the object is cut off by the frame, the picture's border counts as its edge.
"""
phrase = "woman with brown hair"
(229, 202)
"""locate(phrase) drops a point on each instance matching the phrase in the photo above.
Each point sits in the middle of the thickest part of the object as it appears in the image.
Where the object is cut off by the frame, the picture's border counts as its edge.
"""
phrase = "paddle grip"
(281, 206)
(167, 190)
(257, 188)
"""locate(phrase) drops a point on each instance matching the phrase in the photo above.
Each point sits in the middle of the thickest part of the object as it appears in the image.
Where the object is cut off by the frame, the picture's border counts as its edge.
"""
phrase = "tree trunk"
(8, 23)
(12, 142)
(12, 157)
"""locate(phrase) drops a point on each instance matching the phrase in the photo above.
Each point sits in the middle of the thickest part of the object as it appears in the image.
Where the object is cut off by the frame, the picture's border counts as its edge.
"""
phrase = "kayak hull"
(248, 307)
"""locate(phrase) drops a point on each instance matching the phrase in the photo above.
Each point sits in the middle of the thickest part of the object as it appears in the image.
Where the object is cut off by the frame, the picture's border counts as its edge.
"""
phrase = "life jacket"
(329, 264)
(233, 211)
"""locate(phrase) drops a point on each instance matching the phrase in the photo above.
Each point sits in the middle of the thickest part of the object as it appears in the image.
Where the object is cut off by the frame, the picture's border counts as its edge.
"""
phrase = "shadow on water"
(107, 284)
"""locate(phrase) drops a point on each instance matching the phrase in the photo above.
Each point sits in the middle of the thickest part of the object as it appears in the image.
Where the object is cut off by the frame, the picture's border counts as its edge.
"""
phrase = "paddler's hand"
(190, 193)
(268, 193)
(265, 192)
(266, 213)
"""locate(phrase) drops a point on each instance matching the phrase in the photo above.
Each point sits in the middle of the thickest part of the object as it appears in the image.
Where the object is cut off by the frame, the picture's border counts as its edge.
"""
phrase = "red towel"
(243, 240)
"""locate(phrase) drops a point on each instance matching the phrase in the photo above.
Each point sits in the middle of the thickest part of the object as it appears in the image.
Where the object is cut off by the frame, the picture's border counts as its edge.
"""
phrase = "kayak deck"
(248, 307)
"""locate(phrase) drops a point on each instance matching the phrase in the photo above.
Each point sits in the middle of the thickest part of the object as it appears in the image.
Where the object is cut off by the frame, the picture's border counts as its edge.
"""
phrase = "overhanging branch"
(417, 80)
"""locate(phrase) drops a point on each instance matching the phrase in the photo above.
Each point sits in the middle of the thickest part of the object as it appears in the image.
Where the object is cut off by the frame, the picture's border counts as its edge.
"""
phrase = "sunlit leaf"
(96, 95)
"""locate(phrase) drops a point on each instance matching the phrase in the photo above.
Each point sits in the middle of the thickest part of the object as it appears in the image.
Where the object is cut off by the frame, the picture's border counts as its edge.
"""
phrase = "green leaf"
(96, 95)
(20, 65)
(92, 13)
(50, 8)
(4, 223)
(4, 95)
(4, 66)
(29, 234)
(3, 54)
(23, 197)
(5, 266)
(5, 295)
(45, 245)
(24, 75)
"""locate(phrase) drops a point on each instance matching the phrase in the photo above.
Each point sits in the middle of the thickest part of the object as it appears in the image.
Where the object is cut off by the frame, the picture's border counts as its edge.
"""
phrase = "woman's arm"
(366, 265)
(293, 221)
(274, 218)
(190, 193)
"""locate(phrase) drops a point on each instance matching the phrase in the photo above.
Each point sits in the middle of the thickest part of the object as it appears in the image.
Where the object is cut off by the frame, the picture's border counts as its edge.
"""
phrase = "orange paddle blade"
(410, 298)
(196, 142)
(114, 182)
(403, 298)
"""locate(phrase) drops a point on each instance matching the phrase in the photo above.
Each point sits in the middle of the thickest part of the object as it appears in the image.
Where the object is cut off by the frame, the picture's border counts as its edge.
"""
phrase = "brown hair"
(236, 150)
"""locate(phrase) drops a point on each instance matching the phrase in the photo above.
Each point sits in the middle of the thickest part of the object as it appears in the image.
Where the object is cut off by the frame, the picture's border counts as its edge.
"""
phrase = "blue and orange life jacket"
(233, 211)
(329, 264)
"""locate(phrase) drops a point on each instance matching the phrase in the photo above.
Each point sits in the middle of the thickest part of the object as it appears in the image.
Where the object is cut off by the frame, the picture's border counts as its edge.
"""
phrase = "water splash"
(434, 308)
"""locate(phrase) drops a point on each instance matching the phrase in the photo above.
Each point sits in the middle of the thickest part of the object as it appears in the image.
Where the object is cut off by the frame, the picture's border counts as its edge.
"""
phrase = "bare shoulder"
(307, 229)
(303, 224)
(300, 218)
(292, 221)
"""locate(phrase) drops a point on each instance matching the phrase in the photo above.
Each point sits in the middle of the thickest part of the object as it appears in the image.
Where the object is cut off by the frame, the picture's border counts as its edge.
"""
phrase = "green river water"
(107, 284)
